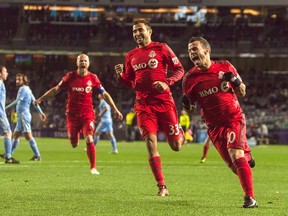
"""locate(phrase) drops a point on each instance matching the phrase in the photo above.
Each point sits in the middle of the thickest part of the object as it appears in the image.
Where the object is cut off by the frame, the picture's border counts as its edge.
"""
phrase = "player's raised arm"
(122, 77)
(236, 82)
(49, 94)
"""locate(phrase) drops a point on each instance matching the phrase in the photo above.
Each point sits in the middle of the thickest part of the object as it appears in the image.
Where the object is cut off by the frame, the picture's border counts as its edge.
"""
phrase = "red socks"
(91, 153)
(156, 167)
(245, 176)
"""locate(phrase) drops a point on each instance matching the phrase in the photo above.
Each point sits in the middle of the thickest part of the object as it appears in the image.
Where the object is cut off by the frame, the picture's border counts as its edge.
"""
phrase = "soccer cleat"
(249, 202)
(2, 156)
(94, 171)
(203, 160)
(251, 162)
(35, 158)
(163, 191)
(11, 161)
(115, 151)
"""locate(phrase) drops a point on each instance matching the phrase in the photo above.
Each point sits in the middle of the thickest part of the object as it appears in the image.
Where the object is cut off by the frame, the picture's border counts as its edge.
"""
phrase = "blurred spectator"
(131, 125)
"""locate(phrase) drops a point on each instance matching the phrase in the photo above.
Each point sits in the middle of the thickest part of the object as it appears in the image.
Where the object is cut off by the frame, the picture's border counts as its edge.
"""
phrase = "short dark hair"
(24, 77)
(202, 41)
(144, 21)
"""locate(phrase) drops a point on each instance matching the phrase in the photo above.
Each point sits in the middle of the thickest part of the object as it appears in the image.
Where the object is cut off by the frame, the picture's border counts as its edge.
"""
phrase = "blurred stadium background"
(42, 39)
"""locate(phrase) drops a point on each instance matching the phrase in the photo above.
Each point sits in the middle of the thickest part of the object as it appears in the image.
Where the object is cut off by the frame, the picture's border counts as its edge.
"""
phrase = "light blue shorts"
(4, 125)
(104, 127)
(23, 123)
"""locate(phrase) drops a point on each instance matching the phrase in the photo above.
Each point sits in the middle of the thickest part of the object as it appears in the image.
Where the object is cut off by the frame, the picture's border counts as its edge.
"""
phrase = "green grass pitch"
(61, 184)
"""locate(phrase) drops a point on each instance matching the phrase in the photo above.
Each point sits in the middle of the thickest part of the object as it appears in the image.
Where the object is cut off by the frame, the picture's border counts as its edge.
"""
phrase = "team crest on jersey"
(152, 54)
(88, 88)
(220, 75)
(153, 63)
(175, 60)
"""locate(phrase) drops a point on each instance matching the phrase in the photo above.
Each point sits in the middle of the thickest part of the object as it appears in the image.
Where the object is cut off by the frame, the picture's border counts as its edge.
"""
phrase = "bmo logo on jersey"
(209, 91)
(152, 63)
(86, 89)
(81, 89)
(77, 89)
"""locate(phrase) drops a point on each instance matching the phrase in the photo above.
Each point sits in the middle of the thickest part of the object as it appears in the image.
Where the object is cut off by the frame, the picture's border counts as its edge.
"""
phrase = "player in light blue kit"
(23, 101)
(4, 123)
(106, 124)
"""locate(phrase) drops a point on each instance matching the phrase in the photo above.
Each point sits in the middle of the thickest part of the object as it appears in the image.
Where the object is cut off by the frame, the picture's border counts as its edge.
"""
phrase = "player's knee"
(175, 145)
(74, 142)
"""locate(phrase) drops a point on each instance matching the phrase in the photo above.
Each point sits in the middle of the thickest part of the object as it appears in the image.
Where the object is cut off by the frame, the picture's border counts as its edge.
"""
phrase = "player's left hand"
(186, 104)
(160, 86)
(42, 117)
(119, 115)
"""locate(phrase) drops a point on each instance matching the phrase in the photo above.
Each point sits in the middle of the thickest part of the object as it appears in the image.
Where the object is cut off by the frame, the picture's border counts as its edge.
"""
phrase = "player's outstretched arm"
(110, 101)
(49, 94)
(12, 104)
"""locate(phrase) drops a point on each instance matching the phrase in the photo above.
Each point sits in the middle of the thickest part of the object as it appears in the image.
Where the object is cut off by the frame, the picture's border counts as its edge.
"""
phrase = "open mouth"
(139, 38)
(195, 58)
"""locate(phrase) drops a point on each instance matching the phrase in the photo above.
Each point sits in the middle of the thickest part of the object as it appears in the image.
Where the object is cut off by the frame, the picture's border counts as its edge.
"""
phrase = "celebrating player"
(215, 85)
(146, 72)
(23, 101)
(79, 108)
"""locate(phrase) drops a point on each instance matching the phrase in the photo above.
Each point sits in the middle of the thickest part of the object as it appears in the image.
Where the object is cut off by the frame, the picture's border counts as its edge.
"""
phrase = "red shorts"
(232, 135)
(158, 117)
(77, 123)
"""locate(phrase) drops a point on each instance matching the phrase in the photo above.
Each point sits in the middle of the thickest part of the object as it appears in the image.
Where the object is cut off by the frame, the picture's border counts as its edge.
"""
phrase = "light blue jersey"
(4, 123)
(106, 122)
(23, 102)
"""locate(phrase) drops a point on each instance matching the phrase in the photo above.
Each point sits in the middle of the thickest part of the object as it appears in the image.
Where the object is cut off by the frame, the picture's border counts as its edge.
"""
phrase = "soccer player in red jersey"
(79, 107)
(146, 71)
(215, 86)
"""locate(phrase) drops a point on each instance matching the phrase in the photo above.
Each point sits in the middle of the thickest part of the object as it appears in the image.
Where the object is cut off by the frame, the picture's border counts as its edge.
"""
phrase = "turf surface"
(61, 184)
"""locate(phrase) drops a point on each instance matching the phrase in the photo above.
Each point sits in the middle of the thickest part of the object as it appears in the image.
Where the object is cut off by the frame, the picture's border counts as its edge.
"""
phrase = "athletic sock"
(91, 153)
(15, 144)
(8, 147)
(205, 150)
(113, 143)
(34, 147)
(156, 167)
(96, 140)
(245, 176)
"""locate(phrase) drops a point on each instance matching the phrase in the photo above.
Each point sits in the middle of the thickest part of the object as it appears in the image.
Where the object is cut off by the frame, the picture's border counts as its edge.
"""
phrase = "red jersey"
(146, 65)
(214, 95)
(80, 91)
